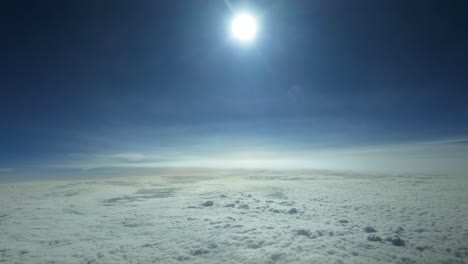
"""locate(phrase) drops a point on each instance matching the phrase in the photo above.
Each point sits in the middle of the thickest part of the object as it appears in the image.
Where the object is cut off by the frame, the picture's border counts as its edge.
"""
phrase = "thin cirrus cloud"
(435, 157)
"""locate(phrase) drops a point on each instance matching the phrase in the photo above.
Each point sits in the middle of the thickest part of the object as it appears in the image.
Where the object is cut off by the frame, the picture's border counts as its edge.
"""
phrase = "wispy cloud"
(446, 156)
(95, 161)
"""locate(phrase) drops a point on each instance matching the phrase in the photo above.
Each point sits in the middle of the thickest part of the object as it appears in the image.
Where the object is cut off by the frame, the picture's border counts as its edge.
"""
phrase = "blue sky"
(88, 85)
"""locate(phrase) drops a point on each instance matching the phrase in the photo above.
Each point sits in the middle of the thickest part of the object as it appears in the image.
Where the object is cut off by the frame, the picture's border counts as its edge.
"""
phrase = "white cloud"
(236, 216)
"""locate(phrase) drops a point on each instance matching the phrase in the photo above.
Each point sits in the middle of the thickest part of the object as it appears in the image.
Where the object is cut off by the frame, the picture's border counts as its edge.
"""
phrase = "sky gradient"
(365, 85)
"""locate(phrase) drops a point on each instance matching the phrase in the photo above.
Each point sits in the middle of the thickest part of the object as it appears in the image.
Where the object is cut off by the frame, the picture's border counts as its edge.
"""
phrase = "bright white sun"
(244, 27)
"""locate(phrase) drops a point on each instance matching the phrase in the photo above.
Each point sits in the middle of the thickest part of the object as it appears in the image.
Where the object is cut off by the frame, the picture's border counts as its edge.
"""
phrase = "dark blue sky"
(156, 81)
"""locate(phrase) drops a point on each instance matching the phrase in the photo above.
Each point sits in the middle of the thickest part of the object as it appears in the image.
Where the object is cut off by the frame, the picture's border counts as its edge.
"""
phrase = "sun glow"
(244, 27)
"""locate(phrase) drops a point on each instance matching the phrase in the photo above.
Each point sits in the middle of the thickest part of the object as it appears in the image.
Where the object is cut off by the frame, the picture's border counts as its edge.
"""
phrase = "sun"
(244, 27)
